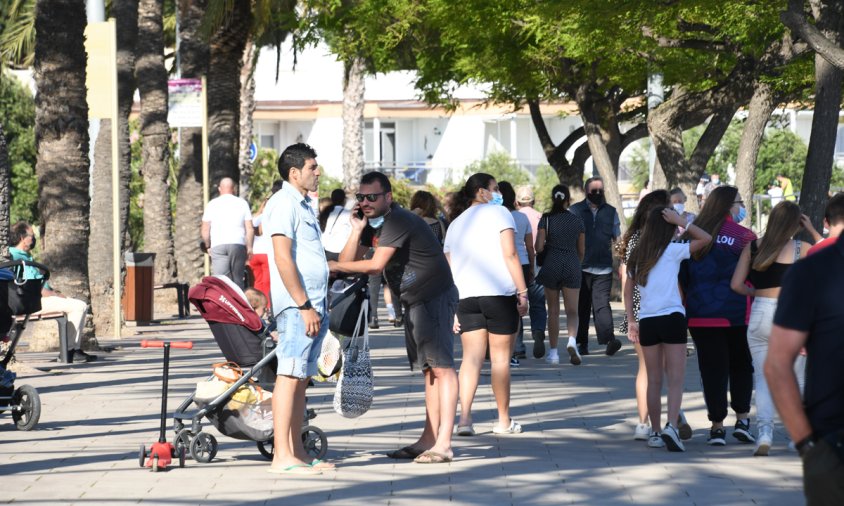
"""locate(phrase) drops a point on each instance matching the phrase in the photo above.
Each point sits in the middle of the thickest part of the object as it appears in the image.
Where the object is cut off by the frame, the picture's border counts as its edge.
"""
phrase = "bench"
(61, 319)
(181, 296)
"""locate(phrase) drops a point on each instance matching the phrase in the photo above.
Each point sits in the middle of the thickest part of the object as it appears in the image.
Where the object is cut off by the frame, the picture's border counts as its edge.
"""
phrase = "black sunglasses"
(597, 191)
(372, 197)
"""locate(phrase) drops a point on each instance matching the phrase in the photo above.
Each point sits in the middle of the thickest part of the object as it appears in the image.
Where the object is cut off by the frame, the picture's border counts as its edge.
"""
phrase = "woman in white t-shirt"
(661, 330)
(481, 249)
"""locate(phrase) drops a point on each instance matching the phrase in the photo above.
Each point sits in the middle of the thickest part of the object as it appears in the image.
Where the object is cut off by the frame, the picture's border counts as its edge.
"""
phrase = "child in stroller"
(237, 329)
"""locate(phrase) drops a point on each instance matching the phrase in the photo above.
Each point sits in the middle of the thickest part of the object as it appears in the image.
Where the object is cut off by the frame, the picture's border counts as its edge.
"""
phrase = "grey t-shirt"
(418, 270)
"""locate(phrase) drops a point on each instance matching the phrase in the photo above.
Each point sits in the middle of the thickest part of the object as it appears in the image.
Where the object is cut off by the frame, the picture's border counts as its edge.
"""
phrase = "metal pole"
(162, 435)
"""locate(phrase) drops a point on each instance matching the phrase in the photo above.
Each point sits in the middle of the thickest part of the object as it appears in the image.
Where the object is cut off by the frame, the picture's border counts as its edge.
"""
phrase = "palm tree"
(354, 86)
(226, 59)
(61, 140)
(100, 260)
(193, 57)
(151, 76)
(247, 108)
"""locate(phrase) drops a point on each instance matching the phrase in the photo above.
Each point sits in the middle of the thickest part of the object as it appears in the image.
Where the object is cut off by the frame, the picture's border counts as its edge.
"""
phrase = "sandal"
(406, 453)
(514, 428)
(430, 457)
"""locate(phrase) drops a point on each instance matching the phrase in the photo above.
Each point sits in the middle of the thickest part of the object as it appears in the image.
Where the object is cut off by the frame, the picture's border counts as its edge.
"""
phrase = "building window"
(268, 141)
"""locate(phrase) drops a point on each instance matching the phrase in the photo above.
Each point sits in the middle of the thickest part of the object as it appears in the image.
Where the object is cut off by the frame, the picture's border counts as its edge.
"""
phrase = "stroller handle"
(45, 272)
(185, 345)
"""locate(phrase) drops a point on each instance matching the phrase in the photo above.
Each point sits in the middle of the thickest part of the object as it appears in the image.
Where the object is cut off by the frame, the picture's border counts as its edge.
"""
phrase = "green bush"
(17, 112)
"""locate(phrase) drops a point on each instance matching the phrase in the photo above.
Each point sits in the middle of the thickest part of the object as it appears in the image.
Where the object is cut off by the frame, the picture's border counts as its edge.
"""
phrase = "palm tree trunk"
(354, 87)
(5, 195)
(227, 46)
(193, 53)
(100, 260)
(151, 76)
(61, 140)
(247, 107)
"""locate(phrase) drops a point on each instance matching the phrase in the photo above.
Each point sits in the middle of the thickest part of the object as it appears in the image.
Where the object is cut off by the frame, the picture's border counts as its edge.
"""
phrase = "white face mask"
(679, 208)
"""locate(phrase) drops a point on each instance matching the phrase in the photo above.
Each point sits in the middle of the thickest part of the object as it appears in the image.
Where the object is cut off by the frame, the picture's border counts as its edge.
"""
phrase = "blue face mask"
(376, 222)
(742, 214)
(497, 199)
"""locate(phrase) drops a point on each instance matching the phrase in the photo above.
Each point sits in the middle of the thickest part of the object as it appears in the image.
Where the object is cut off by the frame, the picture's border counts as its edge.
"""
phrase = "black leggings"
(724, 361)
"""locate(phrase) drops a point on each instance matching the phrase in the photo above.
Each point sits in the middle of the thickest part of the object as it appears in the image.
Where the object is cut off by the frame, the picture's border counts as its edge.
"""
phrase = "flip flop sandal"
(430, 457)
(297, 469)
(321, 465)
(406, 453)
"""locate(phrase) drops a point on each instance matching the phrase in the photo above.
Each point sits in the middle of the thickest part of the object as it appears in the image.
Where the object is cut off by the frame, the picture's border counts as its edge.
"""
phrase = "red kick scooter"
(160, 454)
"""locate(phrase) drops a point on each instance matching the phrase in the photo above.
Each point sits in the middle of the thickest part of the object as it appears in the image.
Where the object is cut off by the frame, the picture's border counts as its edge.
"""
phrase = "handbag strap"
(363, 319)
(797, 250)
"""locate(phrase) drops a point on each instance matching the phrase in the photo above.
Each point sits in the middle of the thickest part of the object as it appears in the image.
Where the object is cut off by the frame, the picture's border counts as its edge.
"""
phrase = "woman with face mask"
(480, 247)
(678, 202)
(718, 316)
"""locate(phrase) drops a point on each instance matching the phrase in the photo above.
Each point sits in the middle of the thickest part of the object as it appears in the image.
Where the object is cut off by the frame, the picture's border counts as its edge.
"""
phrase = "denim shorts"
(297, 353)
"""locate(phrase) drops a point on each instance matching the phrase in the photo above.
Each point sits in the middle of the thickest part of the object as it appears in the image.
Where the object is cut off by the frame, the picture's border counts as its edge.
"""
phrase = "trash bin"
(140, 280)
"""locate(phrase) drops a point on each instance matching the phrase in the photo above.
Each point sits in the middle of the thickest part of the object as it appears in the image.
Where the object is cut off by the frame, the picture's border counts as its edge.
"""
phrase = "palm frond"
(17, 40)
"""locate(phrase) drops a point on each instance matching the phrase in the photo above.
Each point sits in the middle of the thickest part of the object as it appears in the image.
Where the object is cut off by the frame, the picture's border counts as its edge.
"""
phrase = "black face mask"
(596, 198)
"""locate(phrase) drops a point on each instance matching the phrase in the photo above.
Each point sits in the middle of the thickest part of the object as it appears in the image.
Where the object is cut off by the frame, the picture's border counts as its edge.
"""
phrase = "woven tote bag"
(353, 395)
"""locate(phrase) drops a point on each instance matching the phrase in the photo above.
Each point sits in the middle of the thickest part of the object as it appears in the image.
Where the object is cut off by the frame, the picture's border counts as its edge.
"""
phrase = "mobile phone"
(359, 213)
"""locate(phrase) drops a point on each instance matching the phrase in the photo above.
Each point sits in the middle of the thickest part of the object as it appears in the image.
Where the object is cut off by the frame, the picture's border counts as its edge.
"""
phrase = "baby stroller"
(18, 296)
(238, 332)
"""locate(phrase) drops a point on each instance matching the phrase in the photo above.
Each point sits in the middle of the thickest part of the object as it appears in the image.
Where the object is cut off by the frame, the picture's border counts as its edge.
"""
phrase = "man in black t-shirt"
(810, 313)
(411, 257)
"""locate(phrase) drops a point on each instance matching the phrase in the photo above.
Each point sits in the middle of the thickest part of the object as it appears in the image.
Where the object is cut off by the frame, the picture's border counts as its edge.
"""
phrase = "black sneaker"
(717, 437)
(583, 349)
(514, 362)
(742, 432)
(672, 439)
(538, 344)
(613, 347)
(80, 357)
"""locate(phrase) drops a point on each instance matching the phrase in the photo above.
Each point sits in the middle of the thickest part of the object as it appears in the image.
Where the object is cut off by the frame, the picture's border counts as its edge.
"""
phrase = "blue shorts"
(297, 353)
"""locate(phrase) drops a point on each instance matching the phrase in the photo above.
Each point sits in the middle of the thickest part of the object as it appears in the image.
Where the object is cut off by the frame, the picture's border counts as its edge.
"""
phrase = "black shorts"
(668, 329)
(429, 331)
(496, 314)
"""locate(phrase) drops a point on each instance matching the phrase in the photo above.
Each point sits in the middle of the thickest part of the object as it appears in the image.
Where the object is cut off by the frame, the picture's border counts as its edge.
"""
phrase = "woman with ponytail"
(480, 246)
(561, 236)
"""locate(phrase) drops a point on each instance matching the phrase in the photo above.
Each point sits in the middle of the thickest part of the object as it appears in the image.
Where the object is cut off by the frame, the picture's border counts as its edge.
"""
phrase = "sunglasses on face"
(371, 197)
(597, 191)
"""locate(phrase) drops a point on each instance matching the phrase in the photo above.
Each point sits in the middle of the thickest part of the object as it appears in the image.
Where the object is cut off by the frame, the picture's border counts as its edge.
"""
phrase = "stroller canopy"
(218, 299)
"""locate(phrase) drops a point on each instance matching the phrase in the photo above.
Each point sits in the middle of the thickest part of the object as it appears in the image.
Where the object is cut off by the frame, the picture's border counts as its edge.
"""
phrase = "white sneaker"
(655, 441)
(672, 438)
(764, 441)
(642, 432)
(574, 355)
(552, 358)
(391, 313)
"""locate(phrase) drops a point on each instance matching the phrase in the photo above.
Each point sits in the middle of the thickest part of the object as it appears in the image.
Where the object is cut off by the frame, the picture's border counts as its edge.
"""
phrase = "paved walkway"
(577, 446)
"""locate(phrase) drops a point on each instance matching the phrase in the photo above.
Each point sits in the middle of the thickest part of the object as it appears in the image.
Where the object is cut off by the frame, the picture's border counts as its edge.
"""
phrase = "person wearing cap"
(536, 293)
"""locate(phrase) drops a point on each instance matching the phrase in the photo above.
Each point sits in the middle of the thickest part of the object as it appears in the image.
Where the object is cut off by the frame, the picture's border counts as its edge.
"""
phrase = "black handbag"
(24, 296)
(540, 257)
(346, 306)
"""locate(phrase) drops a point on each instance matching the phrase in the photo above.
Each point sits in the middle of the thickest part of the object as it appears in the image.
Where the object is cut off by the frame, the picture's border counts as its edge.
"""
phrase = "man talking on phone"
(411, 257)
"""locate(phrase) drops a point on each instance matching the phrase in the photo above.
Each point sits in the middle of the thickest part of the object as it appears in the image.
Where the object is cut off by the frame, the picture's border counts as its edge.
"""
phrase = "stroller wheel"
(155, 463)
(30, 407)
(266, 448)
(203, 448)
(183, 440)
(315, 441)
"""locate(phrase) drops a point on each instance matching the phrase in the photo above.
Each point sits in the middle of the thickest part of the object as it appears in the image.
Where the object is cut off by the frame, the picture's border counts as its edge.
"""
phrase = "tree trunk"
(151, 76)
(5, 195)
(247, 108)
(761, 106)
(61, 141)
(569, 174)
(814, 190)
(354, 87)
(100, 259)
(604, 139)
(194, 63)
(227, 46)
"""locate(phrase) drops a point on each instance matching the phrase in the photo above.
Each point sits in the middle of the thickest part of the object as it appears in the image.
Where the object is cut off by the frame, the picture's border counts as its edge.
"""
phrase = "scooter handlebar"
(185, 345)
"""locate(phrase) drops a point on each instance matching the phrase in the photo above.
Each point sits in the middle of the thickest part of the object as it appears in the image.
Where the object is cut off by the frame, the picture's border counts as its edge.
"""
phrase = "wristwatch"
(307, 305)
(805, 445)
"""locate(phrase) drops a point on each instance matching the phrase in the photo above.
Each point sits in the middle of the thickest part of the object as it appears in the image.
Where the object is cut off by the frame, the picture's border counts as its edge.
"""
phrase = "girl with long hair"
(717, 316)
(654, 199)
(759, 273)
(480, 246)
(560, 235)
(426, 205)
(661, 330)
